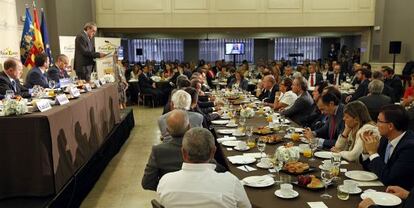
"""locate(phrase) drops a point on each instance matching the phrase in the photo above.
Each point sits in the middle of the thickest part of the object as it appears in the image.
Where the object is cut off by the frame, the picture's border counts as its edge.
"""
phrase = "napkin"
(264, 179)
(239, 159)
(246, 168)
(254, 154)
(343, 162)
(369, 183)
(226, 138)
(317, 205)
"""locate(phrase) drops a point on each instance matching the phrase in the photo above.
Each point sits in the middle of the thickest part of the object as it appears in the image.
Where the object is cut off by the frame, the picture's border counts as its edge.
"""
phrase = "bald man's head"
(178, 123)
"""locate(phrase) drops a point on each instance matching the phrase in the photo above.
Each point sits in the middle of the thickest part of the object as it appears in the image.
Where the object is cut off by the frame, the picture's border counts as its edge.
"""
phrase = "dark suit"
(400, 167)
(54, 73)
(361, 91)
(5, 84)
(244, 84)
(264, 94)
(271, 96)
(325, 131)
(318, 78)
(145, 85)
(36, 77)
(331, 78)
(301, 109)
(84, 55)
(374, 103)
(395, 84)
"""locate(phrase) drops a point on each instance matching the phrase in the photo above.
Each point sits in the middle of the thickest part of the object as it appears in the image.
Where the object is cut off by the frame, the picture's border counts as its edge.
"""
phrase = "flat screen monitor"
(234, 48)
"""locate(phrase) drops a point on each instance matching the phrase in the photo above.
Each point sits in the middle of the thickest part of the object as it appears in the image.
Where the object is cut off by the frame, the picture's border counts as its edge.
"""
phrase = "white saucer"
(238, 135)
(356, 191)
(260, 165)
(238, 149)
(292, 195)
(231, 125)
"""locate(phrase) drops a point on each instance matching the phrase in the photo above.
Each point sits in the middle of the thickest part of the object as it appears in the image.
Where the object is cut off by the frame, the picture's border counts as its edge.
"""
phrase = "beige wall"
(234, 13)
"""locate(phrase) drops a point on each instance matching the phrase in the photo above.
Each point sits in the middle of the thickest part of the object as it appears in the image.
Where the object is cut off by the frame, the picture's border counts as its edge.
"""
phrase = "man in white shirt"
(197, 184)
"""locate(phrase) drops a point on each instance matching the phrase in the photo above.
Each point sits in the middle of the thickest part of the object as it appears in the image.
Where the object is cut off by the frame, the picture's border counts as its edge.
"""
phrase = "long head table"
(40, 152)
(264, 197)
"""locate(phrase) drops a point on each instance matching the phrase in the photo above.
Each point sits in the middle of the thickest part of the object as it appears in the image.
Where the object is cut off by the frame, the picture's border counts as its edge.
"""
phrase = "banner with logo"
(10, 33)
(67, 47)
(107, 46)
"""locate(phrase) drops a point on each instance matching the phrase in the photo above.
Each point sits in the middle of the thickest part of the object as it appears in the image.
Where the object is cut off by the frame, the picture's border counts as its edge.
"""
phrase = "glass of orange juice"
(295, 136)
(307, 152)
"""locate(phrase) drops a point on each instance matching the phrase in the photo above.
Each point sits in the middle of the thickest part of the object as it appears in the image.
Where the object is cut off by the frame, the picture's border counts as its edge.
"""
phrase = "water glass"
(326, 176)
(9, 94)
(341, 193)
(52, 84)
(261, 145)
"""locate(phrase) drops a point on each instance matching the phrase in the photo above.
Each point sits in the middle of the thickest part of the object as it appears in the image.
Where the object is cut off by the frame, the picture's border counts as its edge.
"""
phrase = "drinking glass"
(249, 133)
(336, 164)
(278, 166)
(313, 144)
(52, 84)
(326, 176)
(261, 145)
(242, 122)
(9, 94)
(342, 194)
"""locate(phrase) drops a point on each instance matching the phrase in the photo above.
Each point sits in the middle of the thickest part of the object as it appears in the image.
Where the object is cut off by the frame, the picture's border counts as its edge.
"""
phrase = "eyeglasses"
(379, 121)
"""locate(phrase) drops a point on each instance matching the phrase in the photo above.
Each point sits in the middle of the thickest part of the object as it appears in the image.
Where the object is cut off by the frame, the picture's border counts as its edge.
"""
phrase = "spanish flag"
(37, 46)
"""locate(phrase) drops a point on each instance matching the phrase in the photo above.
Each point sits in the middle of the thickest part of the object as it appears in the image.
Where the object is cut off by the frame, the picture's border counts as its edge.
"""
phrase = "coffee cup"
(350, 185)
(286, 188)
(327, 164)
(241, 145)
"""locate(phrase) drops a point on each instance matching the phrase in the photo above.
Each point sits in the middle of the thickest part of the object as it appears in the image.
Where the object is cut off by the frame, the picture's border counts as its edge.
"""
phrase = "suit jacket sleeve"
(53, 74)
(82, 44)
(295, 108)
(36, 79)
(360, 92)
(4, 86)
(152, 172)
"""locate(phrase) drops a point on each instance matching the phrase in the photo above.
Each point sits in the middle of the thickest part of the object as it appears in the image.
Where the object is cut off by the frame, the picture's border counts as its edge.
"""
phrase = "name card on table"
(62, 99)
(102, 81)
(65, 82)
(97, 83)
(74, 92)
(88, 87)
(43, 105)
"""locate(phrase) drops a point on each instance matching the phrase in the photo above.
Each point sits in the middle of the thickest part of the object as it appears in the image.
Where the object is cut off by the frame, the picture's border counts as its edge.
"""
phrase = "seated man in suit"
(403, 194)
(180, 100)
(337, 77)
(147, 86)
(36, 76)
(313, 77)
(394, 82)
(269, 84)
(375, 100)
(330, 105)
(197, 184)
(391, 157)
(9, 78)
(388, 91)
(363, 75)
(59, 69)
(302, 107)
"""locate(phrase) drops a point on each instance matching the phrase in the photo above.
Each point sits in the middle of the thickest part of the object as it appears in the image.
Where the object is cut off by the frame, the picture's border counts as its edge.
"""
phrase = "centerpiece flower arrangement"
(14, 107)
(109, 78)
(247, 112)
(288, 153)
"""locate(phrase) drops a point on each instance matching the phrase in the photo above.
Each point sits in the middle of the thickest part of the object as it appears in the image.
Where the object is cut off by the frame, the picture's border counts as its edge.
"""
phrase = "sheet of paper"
(317, 205)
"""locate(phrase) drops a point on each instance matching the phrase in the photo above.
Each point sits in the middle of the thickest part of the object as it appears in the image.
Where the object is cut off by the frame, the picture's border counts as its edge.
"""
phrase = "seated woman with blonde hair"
(357, 121)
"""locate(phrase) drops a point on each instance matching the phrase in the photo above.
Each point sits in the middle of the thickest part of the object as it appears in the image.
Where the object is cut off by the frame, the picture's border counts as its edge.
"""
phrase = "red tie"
(311, 80)
(332, 130)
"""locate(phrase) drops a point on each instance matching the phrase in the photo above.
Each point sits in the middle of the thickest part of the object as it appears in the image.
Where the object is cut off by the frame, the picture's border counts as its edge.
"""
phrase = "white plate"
(220, 122)
(323, 154)
(231, 125)
(382, 198)
(242, 160)
(261, 165)
(322, 168)
(356, 191)
(230, 143)
(258, 181)
(291, 195)
(361, 175)
(238, 149)
(225, 117)
(226, 131)
(238, 135)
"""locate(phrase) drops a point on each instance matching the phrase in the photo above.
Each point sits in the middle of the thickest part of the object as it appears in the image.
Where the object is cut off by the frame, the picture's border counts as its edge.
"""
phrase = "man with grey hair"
(375, 100)
(166, 157)
(85, 52)
(388, 91)
(270, 86)
(180, 100)
(60, 69)
(197, 184)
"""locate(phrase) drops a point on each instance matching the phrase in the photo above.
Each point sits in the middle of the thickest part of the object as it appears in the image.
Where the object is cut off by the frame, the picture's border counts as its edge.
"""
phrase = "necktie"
(332, 129)
(335, 81)
(14, 85)
(387, 153)
(311, 80)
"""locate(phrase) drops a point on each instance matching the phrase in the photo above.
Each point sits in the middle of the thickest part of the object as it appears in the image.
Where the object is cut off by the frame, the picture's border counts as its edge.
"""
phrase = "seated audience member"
(357, 121)
(336, 78)
(195, 108)
(135, 72)
(388, 91)
(197, 184)
(303, 104)
(316, 119)
(391, 156)
(222, 74)
(180, 100)
(403, 194)
(181, 83)
(375, 100)
(363, 76)
(409, 93)
(288, 72)
(59, 69)
(239, 82)
(313, 77)
(37, 76)
(394, 82)
(147, 86)
(330, 105)
(269, 84)
(9, 78)
(285, 97)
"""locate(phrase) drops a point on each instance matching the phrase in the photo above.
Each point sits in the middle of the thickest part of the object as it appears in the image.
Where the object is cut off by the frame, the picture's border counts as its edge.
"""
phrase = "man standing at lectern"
(85, 52)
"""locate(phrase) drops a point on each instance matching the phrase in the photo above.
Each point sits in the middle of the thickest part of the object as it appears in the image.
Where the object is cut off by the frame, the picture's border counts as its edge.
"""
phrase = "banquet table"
(265, 197)
(41, 151)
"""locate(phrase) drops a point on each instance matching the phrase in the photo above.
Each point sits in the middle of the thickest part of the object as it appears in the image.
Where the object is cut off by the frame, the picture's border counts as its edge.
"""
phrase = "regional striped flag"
(26, 42)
